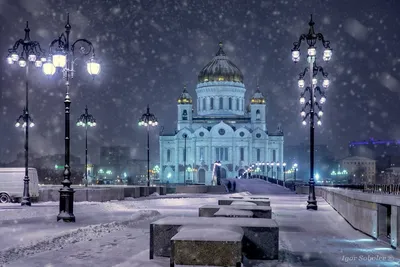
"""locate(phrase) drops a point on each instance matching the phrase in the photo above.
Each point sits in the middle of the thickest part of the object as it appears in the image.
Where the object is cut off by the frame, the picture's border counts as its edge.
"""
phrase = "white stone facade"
(223, 130)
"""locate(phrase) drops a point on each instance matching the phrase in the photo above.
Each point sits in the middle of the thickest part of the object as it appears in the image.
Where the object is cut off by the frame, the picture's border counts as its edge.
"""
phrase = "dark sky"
(149, 49)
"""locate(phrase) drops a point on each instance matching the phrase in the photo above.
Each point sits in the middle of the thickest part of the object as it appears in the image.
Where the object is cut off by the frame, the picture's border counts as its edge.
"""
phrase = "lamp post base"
(312, 205)
(26, 202)
(66, 205)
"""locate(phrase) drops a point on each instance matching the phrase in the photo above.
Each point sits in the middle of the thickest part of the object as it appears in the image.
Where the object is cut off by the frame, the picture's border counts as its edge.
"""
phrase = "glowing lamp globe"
(93, 67)
(10, 60)
(17, 124)
(326, 83)
(301, 83)
(59, 59)
(295, 55)
(302, 100)
(14, 56)
(320, 113)
(22, 62)
(38, 63)
(32, 57)
(323, 99)
(319, 122)
(48, 68)
(304, 123)
(327, 54)
(312, 51)
(314, 81)
(31, 124)
(303, 113)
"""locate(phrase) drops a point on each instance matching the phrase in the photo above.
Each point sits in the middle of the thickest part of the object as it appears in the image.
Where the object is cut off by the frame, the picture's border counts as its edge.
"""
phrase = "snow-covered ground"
(117, 233)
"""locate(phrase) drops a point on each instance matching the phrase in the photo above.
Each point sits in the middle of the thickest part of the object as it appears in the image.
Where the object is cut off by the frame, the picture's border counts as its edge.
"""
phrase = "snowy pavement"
(117, 233)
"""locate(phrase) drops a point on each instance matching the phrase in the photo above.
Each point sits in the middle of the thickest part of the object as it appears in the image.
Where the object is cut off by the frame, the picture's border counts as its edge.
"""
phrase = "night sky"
(149, 49)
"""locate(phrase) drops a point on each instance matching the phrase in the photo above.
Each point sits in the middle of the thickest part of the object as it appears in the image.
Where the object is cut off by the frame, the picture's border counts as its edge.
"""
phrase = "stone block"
(259, 202)
(260, 242)
(224, 212)
(144, 191)
(163, 190)
(258, 211)
(132, 192)
(216, 246)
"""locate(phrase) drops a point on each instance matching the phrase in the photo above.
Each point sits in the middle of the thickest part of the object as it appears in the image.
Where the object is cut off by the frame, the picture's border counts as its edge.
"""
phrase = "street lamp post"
(295, 172)
(62, 56)
(277, 172)
(311, 38)
(86, 120)
(184, 160)
(26, 52)
(148, 119)
(284, 173)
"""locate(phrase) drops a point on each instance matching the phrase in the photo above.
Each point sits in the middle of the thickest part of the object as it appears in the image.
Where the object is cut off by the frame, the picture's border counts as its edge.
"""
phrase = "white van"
(12, 184)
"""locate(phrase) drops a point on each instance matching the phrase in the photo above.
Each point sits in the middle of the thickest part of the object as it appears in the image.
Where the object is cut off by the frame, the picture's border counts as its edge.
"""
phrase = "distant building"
(114, 155)
(114, 159)
(361, 170)
(390, 176)
(385, 152)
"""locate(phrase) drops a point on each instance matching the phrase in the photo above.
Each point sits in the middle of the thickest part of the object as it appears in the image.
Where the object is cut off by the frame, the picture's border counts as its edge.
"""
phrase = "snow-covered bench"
(258, 211)
(259, 202)
(250, 197)
(261, 236)
(202, 245)
(225, 212)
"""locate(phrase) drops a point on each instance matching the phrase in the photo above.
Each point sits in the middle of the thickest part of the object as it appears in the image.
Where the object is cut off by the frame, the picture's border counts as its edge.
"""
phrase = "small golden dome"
(258, 97)
(185, 97)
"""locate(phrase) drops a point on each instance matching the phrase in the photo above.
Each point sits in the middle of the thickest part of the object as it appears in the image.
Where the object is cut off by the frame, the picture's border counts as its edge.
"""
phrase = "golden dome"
(185, 97)
(258, 97)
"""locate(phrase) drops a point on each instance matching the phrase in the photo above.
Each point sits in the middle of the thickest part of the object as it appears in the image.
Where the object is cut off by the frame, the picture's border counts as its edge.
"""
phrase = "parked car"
(12, 184)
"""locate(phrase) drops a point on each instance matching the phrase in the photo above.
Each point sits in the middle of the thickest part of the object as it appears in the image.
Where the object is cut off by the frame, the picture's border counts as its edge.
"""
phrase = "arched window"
(221, 103)
(237, 103)
(204, 103)
(211, 103)
(258, 115)
(230, 103)
(184, 115)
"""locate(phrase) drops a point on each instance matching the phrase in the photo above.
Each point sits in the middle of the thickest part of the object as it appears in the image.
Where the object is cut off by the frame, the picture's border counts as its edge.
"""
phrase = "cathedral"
(222, 129)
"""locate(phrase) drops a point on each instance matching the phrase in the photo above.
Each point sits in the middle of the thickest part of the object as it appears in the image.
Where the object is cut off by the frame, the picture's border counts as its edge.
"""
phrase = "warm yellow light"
(48, 68)
(221, 78)
(59, 60)
(93, 67)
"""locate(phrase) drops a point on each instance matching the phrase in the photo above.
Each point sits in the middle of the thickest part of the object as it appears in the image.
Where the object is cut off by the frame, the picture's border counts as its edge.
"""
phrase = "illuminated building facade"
(224, 129)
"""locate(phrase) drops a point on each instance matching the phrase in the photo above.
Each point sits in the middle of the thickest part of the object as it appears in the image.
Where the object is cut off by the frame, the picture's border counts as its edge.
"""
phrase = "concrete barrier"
(99, 193)
(376, 215)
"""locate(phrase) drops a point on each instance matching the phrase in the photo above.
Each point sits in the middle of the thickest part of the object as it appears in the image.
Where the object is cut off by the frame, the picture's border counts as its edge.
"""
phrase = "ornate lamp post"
(26, 52)
(63, 56)
(184, 160)
(86, 120)
(284, 173)
(295, 172)
(311, 38)
(148, 119)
